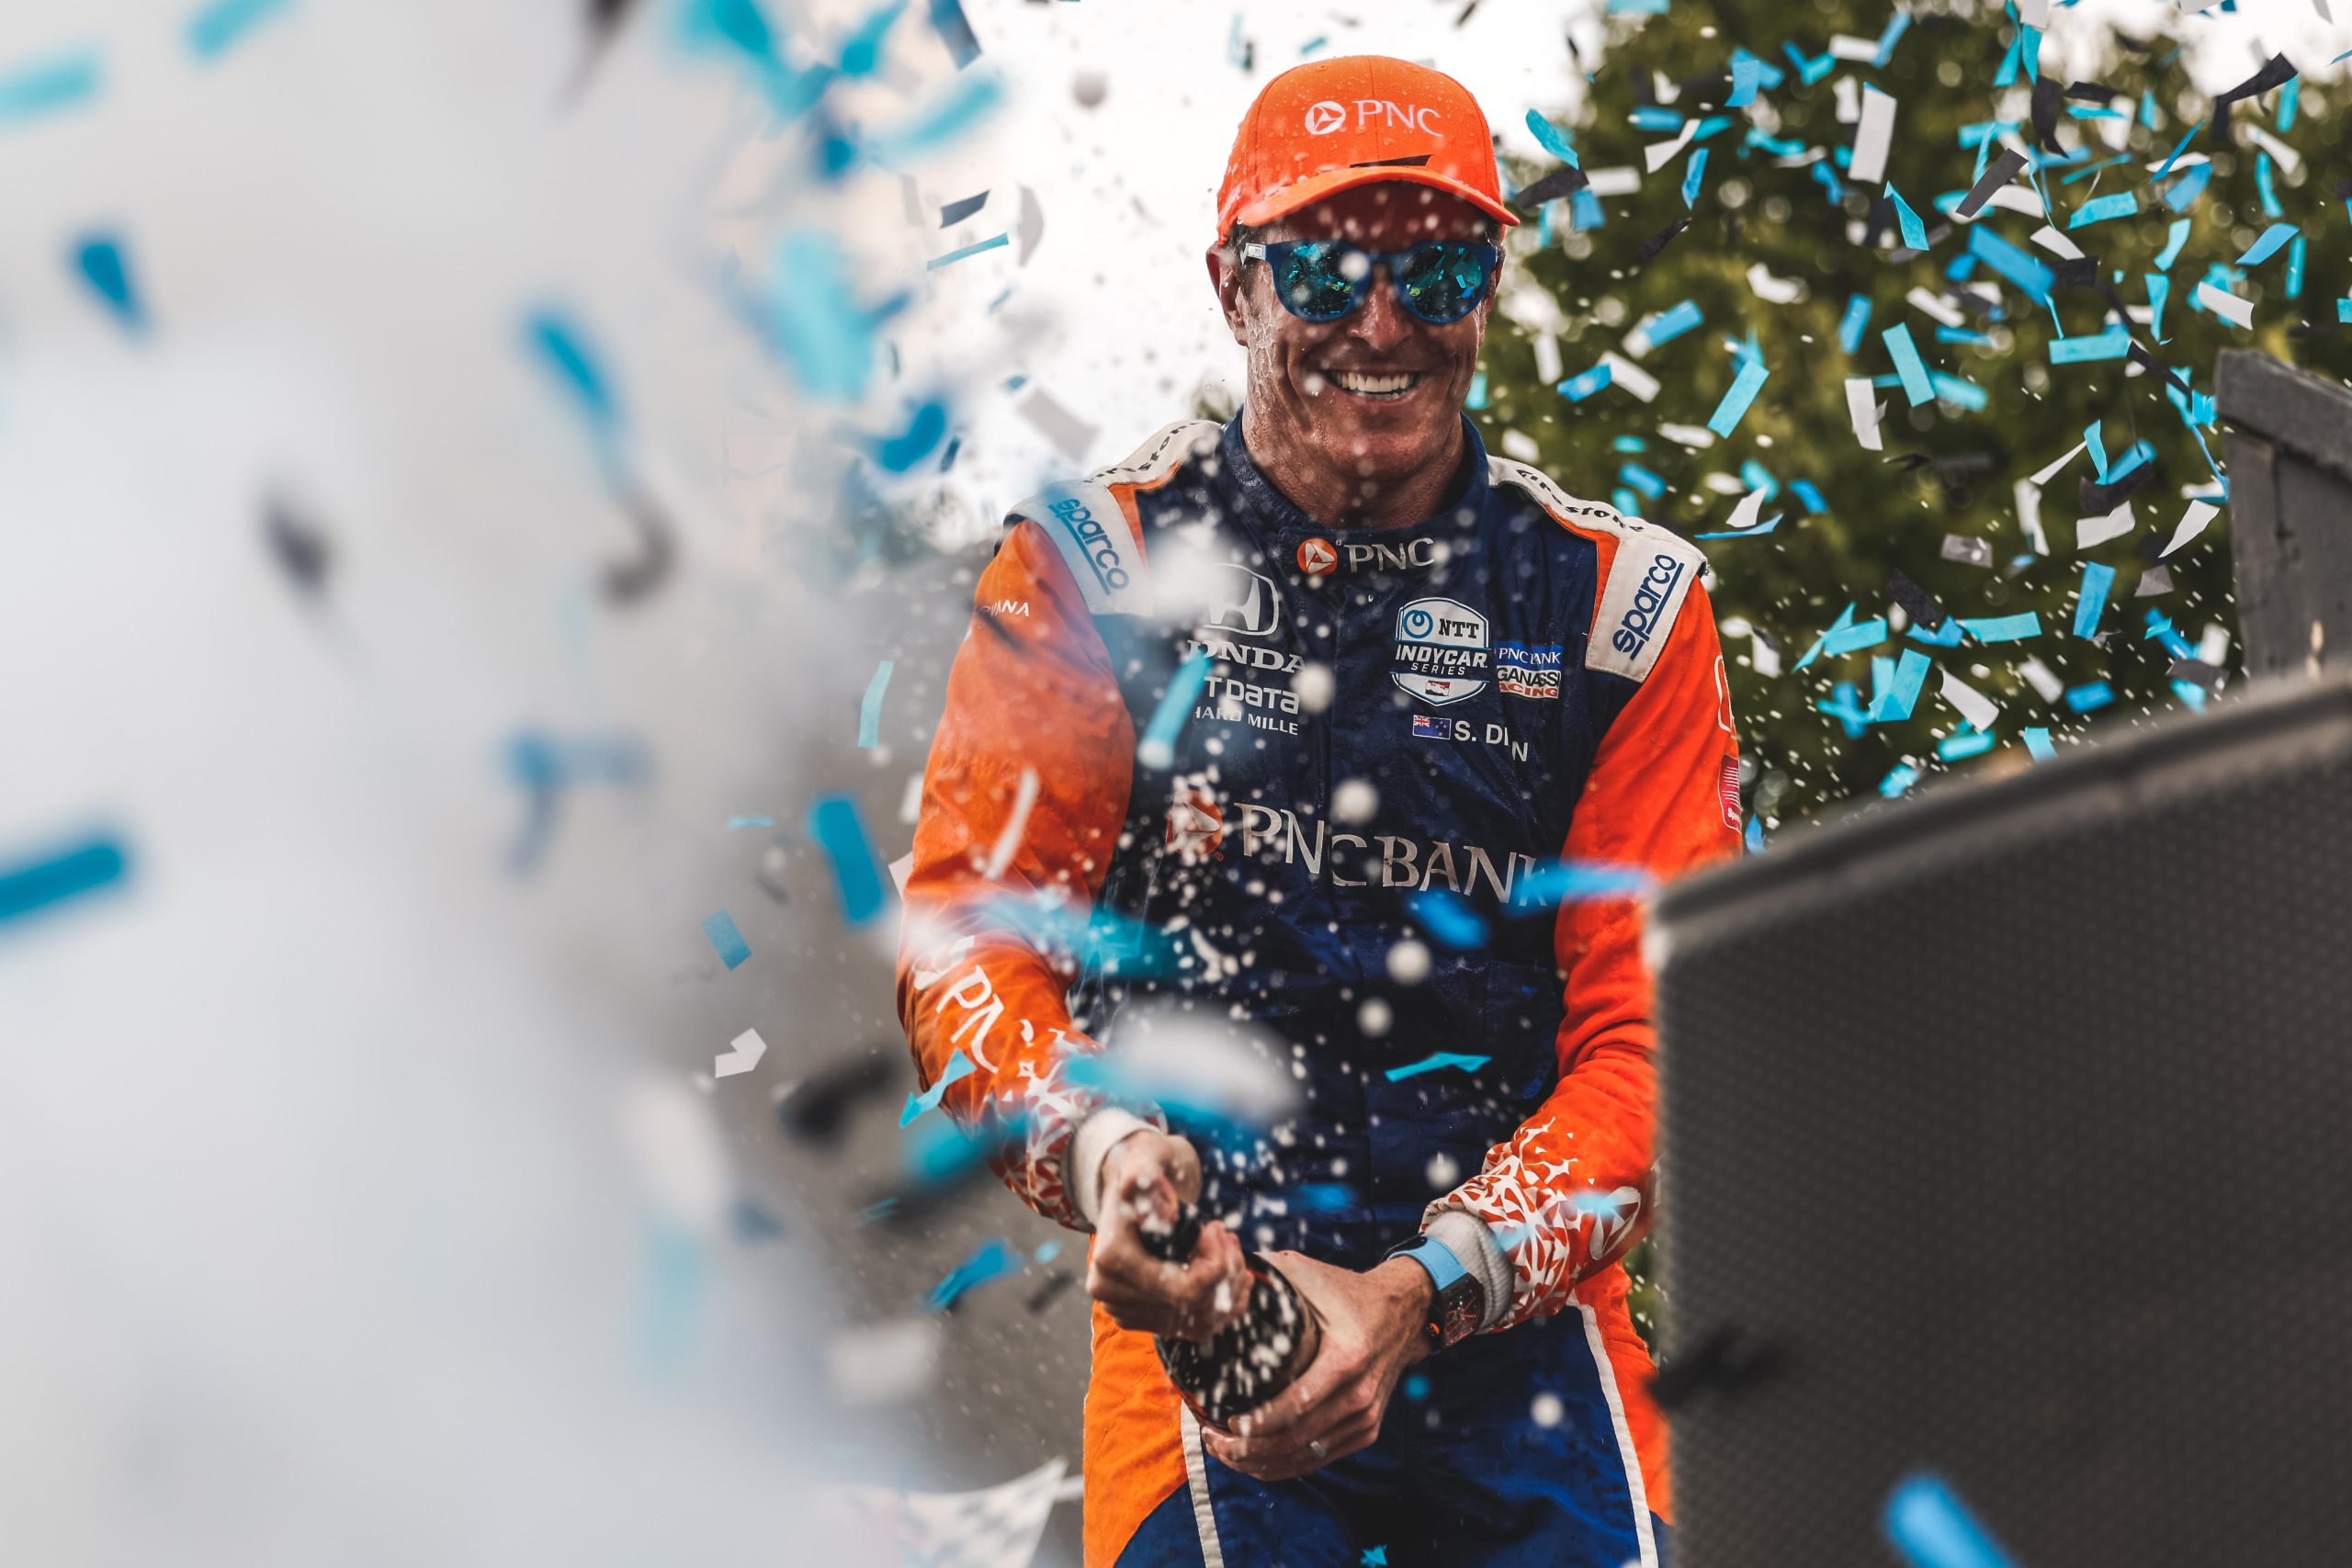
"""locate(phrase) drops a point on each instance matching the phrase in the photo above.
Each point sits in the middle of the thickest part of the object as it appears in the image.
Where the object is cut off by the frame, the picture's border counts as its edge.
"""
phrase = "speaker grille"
(2016, 1124)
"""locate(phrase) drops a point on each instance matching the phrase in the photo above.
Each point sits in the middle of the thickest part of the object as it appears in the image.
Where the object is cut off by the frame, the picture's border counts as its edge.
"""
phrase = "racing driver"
(1328, 702)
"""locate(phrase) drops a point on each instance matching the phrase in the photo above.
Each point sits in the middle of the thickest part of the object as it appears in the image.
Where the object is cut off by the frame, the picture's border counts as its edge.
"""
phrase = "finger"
(1300, 1401)
(1182, 1164)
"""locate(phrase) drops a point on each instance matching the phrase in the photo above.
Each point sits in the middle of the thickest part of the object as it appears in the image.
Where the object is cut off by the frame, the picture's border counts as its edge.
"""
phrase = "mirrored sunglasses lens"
(1444, 282)
(1314, 283)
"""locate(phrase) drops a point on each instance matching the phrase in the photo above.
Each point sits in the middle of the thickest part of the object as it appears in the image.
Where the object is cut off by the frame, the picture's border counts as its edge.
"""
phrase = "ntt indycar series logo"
(1650, 599)
(1440, 650)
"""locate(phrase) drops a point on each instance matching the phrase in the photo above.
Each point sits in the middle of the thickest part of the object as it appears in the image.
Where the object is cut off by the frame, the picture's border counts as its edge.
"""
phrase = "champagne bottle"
(1252, 1358)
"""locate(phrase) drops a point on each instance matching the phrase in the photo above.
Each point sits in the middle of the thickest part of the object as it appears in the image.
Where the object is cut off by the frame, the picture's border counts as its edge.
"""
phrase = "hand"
(1149, 1175)
(1374, 1325)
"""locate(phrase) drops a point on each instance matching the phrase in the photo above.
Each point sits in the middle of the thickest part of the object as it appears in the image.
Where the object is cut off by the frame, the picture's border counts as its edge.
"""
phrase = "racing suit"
(1523, 678)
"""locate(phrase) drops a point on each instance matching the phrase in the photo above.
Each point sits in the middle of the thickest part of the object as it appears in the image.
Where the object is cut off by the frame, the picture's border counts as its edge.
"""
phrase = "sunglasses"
(1322, 280)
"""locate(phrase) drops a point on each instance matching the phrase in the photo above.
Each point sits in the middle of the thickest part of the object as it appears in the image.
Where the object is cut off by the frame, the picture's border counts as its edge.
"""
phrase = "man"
(1430, 674)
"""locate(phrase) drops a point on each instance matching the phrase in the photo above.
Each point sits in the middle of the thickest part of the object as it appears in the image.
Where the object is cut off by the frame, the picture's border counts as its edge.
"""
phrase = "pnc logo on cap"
(1324, 117)
(1316, 557)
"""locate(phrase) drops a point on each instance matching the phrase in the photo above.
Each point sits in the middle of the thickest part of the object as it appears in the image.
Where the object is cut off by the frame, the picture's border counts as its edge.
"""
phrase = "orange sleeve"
(1571, 1190)
(1000, 892)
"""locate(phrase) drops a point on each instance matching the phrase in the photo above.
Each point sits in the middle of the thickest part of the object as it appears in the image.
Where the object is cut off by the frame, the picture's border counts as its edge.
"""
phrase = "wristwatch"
(1461, 1303)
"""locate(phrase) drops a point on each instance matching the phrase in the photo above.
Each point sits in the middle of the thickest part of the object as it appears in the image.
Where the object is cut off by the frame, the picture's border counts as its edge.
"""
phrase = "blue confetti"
(1046, 1252)
(2096, 444)
(54, 876)
(1899, 778)
(1729, 413)
(2096, 579)
(822, 333)
(1693, 177)
(1671, 324)
(1851, 324)
(862, 51)
(220, 27)
(735, 822)
(1448, 919)
(1914, 232)
(2119, 204)
(2037, 743)
(960, 1066)
(1968, 743)
(869, 710)
(1568, 881)
(100, 260)
(2028, 273)
(2185, 189)
(938, 123)
(1852, 638)
(955, 30)
(1579, 387)
(1477, 398)
(1747, 75)
(724, 936)
(2113, 343)
(562, 350)
(1435, 1063)
(992, 242)
(2005, 629)
(1651, 485)
(544, 766)
(1759, 530)
(1932, 1528)
(896, 453)
(1551, 139)
(30, 91)
(993, 1260)
(1913, 374)
(1845, 704)
(1845, 619)
(2090, 696)
(1755, 835)
(1901, 695)
(834, 823)
(2272, 240)
(1156, 750)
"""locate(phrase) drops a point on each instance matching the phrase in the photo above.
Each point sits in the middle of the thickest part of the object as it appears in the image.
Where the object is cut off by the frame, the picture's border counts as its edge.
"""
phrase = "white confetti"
(2192, 524)
(1624, 373)
(1873, 138)
(2092, 532)
(1863, 409)
(2038, 675)
(1942, 311)
(1354, 801)
(1973, 705)
(2229, 307)
(2029, 499)
(1774, 290)
(1008, 842)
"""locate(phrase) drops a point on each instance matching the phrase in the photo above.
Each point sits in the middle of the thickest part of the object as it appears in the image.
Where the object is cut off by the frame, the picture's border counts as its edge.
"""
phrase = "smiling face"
(1342, 411)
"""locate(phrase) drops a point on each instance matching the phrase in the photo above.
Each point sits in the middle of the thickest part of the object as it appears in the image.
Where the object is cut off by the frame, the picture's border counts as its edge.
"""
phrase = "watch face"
(1460, 1310)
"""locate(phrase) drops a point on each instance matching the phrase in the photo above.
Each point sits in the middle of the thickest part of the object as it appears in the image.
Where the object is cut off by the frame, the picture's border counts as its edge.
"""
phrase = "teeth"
(1354, 381)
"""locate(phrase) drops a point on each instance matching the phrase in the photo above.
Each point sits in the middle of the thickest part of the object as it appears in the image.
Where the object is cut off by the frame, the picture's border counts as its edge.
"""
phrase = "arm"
(1570, 1192)
(1030, 697)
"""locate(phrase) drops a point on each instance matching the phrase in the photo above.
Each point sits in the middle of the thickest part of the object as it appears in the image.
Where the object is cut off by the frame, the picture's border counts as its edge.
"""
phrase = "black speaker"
(2290, 461)
(2008, 1136)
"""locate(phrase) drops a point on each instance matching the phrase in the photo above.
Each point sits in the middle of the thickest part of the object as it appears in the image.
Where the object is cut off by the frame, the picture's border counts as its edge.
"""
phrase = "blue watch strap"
(1433, 1255)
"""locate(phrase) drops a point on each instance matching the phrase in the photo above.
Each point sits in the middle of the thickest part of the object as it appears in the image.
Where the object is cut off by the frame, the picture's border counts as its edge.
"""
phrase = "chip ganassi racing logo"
(1440, 650)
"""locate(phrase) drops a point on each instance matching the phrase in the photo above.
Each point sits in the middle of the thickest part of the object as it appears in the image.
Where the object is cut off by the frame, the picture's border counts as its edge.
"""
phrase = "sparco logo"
(1657, 584)
(1324, 117)
(1095, 540)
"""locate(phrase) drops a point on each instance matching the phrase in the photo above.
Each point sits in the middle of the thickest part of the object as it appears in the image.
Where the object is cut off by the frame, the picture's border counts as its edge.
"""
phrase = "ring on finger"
(1316, 1447)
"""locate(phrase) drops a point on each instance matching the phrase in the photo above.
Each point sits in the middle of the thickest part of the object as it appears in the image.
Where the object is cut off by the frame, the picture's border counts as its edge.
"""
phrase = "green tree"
(1775, 193)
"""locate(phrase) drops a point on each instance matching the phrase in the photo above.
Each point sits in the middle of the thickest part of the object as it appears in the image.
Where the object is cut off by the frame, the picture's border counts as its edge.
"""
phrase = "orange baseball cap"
(1331, 125)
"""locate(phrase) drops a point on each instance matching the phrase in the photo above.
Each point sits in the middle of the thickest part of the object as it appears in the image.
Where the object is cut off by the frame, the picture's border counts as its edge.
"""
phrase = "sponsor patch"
(1316, 557)
(1244, 602)
(1727, 785)
(1527, 669)
(1440, 650)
